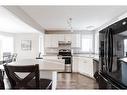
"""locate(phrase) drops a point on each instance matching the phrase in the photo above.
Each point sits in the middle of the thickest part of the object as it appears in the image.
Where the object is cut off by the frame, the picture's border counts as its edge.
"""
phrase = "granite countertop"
(123, 59)
(77, 55)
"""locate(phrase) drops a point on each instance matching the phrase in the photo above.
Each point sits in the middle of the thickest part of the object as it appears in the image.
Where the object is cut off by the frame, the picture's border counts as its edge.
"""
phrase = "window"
(6, 45)
(125, 47)
(87, 43)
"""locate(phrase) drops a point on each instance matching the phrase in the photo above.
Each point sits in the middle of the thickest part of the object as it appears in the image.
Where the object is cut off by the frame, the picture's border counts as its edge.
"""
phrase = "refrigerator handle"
(111, 50)
(105, 65)
(108, 50)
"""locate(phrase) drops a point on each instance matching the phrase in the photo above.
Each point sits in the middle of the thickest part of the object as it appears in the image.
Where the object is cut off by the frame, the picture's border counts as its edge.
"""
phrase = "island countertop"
(44, 65)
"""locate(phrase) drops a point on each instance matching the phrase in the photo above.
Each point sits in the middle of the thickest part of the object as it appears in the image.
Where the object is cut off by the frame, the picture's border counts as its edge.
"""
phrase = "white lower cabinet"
(83, 65)
(50, 57)
(86, 66)
(75, 64)
(53, 59)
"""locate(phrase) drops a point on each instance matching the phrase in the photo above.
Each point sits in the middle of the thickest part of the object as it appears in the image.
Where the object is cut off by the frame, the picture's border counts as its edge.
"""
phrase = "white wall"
(30, 54)
(34, 37)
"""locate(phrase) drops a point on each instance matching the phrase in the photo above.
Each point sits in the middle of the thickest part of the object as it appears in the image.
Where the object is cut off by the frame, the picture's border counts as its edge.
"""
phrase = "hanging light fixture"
(70, 24)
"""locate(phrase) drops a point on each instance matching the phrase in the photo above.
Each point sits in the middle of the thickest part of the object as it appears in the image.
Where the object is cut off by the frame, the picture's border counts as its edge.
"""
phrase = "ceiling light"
(123, 23)
(69, 21)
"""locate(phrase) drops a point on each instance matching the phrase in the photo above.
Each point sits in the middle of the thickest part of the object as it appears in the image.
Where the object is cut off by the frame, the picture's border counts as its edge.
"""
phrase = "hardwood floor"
(75, 81)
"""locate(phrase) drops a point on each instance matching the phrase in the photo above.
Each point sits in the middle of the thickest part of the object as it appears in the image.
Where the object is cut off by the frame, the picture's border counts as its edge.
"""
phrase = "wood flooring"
(75, 81)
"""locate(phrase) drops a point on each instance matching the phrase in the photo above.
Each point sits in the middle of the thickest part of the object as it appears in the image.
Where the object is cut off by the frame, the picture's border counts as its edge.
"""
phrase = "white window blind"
(87, 43)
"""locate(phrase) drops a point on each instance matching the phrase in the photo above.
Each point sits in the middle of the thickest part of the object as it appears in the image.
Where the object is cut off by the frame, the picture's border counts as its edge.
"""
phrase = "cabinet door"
(89, 64)
(81, 65)
(51, 40)
(54, 40)
(60, 37)
(47, 41)
(86, 66)
(76, 40)
(68, 37)
(75, 64)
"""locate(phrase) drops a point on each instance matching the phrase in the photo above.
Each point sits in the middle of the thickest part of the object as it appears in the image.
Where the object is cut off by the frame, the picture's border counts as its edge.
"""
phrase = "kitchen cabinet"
(75, 40)
(68, 37)
(50, 57)
(47, 41)
(54, 40)
(75, 63)
(51, 40)
(53, 58)
(85, 66)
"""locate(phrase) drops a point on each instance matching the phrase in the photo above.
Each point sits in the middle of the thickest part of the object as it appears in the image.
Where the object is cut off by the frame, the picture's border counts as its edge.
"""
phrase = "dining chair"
(1, 80)
(31, 81)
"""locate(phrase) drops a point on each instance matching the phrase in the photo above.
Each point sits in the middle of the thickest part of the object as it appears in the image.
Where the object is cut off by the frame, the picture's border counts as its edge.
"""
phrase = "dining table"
(48, 68)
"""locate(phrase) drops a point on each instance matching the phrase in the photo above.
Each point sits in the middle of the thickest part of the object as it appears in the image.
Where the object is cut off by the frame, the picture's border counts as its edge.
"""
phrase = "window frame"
(93, 43)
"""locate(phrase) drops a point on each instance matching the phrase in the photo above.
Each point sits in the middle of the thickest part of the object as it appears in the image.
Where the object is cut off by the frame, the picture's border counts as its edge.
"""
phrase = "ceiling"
(83, 17)
(12, 24)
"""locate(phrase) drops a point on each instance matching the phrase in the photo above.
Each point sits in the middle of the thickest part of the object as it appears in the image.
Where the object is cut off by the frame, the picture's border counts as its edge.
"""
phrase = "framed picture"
(26, 44)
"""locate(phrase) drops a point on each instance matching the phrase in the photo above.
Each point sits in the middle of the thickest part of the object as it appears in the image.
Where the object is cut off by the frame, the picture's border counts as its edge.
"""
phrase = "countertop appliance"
(112, 72)
(67, 55)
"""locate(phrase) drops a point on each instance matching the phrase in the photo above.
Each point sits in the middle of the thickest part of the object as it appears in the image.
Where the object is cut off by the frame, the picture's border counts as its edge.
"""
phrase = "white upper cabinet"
(76, 40)
(68, 37)
(60, 37)
(51, 40)
(47, 40)
(54, 41)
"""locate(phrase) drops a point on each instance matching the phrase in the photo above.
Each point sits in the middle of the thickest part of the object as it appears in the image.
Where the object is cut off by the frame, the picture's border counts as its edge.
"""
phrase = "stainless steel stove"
(67, 55)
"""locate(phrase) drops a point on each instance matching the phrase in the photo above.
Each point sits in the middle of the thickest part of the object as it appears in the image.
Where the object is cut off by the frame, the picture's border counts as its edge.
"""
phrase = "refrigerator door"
(110, 50)
(113, 47)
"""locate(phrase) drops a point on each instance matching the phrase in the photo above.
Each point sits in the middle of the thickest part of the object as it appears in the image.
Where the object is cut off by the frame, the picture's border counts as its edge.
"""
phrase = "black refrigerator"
(112, 73)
